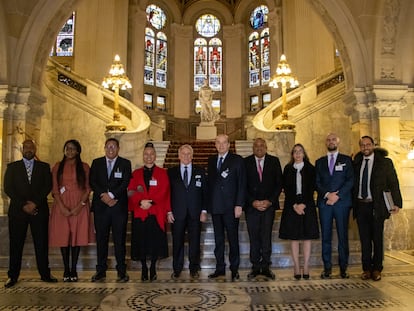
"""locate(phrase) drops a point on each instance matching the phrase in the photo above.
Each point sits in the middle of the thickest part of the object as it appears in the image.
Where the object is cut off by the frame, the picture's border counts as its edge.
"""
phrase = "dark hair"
(305, 155)
(80, 172)
(367, 137)
(112, 139)
(149, 145)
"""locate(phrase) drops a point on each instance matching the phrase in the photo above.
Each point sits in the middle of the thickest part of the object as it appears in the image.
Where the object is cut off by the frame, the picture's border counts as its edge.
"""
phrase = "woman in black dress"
(299, 220)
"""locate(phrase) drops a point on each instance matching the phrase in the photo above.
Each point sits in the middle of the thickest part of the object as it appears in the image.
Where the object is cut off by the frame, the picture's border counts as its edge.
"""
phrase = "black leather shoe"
(153, 274)
(298, 276)
(216, 274)
(253, 274)
(144, 273)
(194, 274)
(344, 274)
(326, 274)
(98, 277)
(73, 276)
(269, 274)
(122, 278)
(49, 279)
(10, 283)
(175, 275)
(235, 275)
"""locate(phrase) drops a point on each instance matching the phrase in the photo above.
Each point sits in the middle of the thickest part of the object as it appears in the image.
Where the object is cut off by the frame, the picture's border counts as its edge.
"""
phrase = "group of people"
(183, 195)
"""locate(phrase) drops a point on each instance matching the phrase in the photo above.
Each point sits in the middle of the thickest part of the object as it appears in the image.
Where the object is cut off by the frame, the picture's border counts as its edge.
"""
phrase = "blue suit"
(341, 180)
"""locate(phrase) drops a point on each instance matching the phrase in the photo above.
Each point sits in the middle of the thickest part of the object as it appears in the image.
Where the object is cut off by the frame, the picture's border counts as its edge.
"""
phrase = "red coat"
(159, 193)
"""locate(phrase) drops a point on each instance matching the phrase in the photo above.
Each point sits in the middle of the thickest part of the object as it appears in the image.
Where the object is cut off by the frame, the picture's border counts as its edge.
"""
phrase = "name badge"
(62, 190)
(339, 167)
(153, 182)
(118, 174)
(198, 183)
(225, 173)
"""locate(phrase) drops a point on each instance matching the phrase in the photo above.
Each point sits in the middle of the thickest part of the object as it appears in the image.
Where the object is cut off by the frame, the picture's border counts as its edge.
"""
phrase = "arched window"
(208, 53)
(259, 48)
(65, 39)
(155, 66)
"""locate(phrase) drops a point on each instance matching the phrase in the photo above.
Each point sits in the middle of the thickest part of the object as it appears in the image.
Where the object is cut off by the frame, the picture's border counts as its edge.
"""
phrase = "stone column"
(181, 72)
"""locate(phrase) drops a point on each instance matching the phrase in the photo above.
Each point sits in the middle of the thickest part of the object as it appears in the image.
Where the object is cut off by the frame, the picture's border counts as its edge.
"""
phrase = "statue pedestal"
(206, 132)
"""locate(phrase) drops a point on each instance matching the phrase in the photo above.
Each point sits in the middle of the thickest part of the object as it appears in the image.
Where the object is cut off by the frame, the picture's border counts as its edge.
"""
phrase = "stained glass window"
(155, 63)
(208, 25)
(258, 18)
(65, 39)
(259, 48)
(156, 16)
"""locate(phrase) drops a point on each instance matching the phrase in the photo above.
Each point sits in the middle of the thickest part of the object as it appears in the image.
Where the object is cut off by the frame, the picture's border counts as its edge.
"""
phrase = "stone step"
(280, 251)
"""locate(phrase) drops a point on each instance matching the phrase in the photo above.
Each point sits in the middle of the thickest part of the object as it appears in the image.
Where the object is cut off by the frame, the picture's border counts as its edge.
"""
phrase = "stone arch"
(193, 11)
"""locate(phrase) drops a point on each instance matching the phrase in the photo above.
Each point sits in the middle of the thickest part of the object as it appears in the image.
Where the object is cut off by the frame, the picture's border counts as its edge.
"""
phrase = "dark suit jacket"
(227, 188)
(117, 184)
(342, 179)
(383, 177)
(188, 201)
(18, 188)
(270, 186)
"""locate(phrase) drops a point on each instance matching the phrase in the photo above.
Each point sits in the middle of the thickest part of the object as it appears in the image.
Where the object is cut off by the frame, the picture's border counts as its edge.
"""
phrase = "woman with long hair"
(70, 214)
(299, 219)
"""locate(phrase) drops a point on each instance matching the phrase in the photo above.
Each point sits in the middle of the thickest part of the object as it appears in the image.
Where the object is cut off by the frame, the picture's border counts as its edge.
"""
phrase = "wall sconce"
(410, 155)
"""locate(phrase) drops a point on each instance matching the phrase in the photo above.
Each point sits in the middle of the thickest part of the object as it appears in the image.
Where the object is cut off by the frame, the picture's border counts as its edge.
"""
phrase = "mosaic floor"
(394, 292)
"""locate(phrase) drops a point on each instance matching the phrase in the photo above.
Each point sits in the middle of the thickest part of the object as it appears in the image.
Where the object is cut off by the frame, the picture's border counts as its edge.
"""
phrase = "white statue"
(205, 96)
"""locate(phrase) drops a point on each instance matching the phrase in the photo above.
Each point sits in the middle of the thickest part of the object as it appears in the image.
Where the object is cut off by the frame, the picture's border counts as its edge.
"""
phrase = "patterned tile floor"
(394, 292)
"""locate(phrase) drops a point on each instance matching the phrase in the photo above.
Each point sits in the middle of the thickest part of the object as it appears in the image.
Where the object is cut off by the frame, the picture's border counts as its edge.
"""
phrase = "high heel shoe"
(144, 274)
(66, 276)
(297, 276)
(306, 276)
(73, 276)
(153, 273)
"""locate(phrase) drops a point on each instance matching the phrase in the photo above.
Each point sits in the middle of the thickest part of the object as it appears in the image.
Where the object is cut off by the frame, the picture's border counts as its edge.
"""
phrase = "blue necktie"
(220, 163)
(364, 183)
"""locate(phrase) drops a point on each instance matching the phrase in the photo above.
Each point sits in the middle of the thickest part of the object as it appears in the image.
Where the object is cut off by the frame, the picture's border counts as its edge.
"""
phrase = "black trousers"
(18, 226)
(105, 220)
(371, 235)
(178, 229)
(259, 226)
(226, 223)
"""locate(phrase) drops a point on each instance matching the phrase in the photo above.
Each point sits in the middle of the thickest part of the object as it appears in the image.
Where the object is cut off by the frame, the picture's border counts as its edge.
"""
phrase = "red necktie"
(259, 169)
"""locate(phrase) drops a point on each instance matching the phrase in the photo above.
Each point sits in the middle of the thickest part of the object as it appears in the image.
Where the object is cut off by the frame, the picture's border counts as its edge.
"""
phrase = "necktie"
(109, 168)
(220, 163)
(29, 171)
(331, 164)
(185, 177)
(364, 183)
(259, 169)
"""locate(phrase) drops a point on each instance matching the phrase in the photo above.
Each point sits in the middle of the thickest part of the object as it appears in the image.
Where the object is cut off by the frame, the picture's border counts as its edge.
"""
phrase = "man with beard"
(374, 174)
(334, 182)
(28, 182)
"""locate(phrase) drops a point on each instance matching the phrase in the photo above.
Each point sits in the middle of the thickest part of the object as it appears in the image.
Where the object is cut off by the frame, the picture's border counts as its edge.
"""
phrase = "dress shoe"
(216, 274)
(326, 274)
(73, 276)
(376, 275)
(49, 279)
(366, 275)
(144, 274)
(253, 274)
(344, 274)
(122, 278)
(66, 276)
(10, 283)
(98, 277)
(235, 275)
(194, 274)
(153, 274)
(175, 275)
(269, 274)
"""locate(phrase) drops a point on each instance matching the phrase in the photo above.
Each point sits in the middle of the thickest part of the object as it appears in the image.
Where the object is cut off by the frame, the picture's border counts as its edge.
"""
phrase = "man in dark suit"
(227, 194)
(27, 183)
(334, 181)
(189, 209)
(109, 179)
(374, 174)
(264, 184)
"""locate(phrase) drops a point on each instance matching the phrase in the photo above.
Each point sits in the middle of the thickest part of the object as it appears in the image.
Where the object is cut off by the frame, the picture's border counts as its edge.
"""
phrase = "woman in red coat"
(149, 201)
